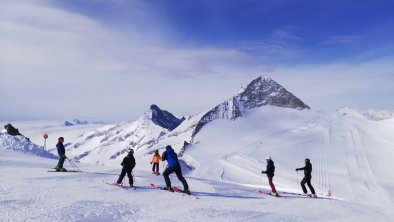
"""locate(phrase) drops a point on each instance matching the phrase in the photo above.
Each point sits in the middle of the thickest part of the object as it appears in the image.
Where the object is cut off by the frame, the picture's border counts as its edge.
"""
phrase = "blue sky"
(111, 59)
(308, 30)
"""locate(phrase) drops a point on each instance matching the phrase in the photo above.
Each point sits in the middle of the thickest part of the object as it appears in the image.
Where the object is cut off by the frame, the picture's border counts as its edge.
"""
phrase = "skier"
(62, 154)
(155, 161)
(173, 166)
(128, 164)
(307, 178)
(270, 174)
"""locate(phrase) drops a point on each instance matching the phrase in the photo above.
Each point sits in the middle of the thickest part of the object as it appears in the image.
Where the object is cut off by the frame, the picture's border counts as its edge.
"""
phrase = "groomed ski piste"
(29, 193)
(350, 153)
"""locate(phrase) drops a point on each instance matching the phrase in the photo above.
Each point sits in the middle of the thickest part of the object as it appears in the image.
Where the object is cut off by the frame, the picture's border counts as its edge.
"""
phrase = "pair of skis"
(176, 190)
(289, 195)
(120, 185)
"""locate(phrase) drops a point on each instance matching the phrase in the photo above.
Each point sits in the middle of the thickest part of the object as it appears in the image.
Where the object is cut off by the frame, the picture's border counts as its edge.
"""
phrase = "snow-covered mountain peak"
(260, 92)
(264, 78)
(265, 91)
(164, 118)
(241, 90)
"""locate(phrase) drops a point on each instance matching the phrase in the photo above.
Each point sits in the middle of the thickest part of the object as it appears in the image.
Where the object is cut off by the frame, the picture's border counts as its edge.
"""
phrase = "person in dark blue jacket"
(62, 154)
(173, 166)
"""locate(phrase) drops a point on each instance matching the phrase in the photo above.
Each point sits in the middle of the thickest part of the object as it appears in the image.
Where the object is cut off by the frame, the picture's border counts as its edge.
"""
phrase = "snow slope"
(35, 130)
(350, 153)
(22, 144)
(107, 145)
(29, 193)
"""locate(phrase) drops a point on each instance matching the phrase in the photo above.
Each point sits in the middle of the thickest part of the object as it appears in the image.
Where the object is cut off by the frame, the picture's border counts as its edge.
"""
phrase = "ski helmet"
(268, 158)
(307, 160)
(61, 139)
(130, 151)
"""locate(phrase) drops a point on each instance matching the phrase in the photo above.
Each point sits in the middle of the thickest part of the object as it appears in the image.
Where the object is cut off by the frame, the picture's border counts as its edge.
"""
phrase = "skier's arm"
(302, 168)
(164, 156)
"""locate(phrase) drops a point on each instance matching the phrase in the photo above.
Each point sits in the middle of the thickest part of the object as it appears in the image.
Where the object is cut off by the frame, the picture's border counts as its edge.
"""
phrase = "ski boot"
(169, 189)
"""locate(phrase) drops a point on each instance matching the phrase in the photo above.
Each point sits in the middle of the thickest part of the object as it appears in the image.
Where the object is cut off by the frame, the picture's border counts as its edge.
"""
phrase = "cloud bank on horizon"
(113, 58)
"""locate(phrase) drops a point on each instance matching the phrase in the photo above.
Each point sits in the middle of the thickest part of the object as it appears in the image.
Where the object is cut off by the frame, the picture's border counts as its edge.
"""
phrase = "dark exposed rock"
(164, 118)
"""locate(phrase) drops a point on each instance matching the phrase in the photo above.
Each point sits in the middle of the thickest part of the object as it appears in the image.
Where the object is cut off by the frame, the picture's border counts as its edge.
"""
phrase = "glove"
(296, 169)
(150, 162)
(262, 172)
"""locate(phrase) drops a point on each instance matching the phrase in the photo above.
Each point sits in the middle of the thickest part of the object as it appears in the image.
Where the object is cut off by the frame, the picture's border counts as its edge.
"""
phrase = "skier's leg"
(166, 175)
(153, 167)
(121, 176)
(178, 172)
(156, 167)
(310, 185)
(271, 185)
(303, 181)
(130, 177)
(61, 162)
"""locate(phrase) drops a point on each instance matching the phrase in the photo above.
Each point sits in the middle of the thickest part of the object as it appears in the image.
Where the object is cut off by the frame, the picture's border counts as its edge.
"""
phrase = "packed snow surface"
(30, 193)
(350, 153)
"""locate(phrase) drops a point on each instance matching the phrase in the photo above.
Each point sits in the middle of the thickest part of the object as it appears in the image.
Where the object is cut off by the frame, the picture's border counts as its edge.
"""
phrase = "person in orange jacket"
(155, 161)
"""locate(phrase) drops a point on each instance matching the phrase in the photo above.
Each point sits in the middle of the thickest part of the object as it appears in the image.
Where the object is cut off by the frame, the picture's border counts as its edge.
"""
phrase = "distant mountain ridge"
(157, 128)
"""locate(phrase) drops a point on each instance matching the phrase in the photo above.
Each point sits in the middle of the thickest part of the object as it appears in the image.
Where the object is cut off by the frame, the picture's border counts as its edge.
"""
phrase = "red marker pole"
(45, 140)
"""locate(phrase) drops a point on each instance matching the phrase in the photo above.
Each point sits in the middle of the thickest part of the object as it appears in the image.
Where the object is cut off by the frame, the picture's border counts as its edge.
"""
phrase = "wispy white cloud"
(60, 64)
(279, 43)
(73, 65)
(365, 85)
(342, 39)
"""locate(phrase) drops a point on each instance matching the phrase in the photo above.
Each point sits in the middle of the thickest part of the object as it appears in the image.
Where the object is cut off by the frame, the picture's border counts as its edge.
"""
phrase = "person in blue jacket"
(62, 154)
(173, 166)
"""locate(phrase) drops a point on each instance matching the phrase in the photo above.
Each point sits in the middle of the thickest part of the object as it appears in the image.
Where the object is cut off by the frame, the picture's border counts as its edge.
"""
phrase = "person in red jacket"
(155, 161)
(128, 164)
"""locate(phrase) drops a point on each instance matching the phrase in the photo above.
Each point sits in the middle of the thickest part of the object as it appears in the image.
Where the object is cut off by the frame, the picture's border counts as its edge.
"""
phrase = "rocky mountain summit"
(261, 91)
(164, 118)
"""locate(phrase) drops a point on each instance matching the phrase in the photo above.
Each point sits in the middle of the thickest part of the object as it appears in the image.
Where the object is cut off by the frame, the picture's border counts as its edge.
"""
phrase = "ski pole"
(261, 179)
(73, 165)
(298, 186)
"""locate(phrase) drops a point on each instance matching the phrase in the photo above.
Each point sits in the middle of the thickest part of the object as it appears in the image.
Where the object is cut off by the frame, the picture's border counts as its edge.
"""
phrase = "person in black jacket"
(270, 170)
(62, 154)
(128, 164)
(307, 178)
